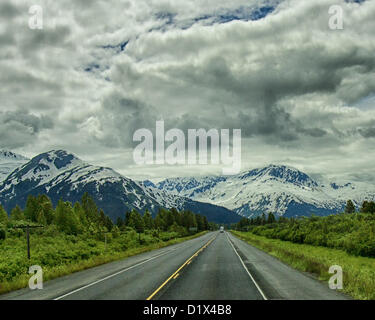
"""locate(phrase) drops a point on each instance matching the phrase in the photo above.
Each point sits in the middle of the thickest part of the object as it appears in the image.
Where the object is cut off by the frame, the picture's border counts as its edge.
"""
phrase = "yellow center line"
(175, 274)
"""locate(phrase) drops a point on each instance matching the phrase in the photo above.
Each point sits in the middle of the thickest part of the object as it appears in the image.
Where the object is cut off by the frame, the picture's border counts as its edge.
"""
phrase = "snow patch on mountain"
(60, 174)
(280, 189)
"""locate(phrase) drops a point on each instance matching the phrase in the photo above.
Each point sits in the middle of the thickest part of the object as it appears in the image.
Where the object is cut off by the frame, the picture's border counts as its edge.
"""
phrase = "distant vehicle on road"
(221, 229)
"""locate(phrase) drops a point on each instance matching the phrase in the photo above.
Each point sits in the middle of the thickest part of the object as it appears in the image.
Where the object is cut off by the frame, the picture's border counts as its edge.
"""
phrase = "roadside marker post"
(27, 227)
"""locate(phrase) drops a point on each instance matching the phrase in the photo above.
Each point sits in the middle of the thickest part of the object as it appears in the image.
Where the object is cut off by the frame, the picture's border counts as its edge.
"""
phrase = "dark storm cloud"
(9, 10)
(19, 128)
(6, 38)
(282, 74)
(122, 117)
(33, 122)
(368, 133)
(313, 132)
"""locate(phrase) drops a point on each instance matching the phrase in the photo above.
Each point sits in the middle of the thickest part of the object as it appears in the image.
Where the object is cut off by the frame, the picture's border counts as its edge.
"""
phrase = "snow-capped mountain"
(10, 161)
(280, 189)
(62, 175)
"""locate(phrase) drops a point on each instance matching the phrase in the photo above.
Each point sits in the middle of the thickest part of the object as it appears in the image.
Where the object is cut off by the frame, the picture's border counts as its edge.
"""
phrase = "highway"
(215, 266)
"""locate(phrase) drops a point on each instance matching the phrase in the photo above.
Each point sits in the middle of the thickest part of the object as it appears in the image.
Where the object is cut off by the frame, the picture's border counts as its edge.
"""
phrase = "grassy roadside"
(50, 273)
(358, 272)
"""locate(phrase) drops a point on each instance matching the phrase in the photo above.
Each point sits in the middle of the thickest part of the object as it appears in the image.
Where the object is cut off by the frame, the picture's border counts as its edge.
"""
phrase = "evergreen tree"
(350, 208)
(205, 223)
(159, 222)
(243, 224)
(147, 219)
(258, 221)
(108, 223)
(263, 219)
(372, 207)
(136, 221)
(193, 220)
(364, 206)
(16, 214)
(2, 233)
(368, 207)
(200, 222)
(271, 218)
(169, 218)
(3, 216)
(188, 220)
(40, 218)
(90, 209)
(127, 217)
(31, 211)
(176, 216)
(66, 219)
(102, 218)
(120, 223)
(46, 214)
(115, 231)
(80, 213)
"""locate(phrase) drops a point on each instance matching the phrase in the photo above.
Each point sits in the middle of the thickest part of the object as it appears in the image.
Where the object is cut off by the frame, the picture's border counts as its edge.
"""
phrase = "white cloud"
(100, 70)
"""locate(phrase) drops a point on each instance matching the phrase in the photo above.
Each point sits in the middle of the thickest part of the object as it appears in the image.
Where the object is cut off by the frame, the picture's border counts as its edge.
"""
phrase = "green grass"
(60, 254)
(358, 272)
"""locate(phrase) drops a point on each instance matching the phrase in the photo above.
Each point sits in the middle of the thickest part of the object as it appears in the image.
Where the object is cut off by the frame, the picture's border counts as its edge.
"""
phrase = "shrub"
(2, 233)
(353, 233)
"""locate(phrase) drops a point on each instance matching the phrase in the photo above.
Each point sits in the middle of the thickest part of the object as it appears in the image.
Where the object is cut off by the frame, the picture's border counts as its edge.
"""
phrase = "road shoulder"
(280, 281)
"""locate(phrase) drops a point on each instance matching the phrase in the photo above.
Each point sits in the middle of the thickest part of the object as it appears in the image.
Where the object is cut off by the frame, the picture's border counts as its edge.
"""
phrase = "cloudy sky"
(302, 93)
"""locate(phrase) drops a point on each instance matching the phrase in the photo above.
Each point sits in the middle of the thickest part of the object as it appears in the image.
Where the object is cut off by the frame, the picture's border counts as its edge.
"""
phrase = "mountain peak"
(9, 155)
(61, 175)
(282, 173)
(45, 166)
(59, 158)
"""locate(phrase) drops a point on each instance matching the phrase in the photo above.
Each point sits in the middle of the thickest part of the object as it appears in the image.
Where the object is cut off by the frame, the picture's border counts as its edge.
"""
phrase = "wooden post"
(28, 242)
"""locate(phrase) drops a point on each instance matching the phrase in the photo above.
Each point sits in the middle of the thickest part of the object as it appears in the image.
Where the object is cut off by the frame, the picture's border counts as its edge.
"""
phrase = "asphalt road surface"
(215, 266)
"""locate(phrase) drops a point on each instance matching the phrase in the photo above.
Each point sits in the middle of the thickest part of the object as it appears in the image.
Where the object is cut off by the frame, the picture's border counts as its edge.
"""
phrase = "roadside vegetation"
(71, 238)
(314, 244)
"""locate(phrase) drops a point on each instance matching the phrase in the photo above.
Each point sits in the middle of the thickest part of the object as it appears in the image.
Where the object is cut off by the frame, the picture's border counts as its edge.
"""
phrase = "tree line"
(261, 220)
(84, 216)
(246, 223)
(165, 220)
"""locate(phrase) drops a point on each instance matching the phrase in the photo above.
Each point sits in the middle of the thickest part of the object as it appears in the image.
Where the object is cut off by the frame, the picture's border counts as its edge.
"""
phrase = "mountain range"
(280, 189)
(62, 175)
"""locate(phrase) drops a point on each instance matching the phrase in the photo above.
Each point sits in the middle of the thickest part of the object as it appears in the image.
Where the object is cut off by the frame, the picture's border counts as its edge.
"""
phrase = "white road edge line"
(114, 274)
(243, 264)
